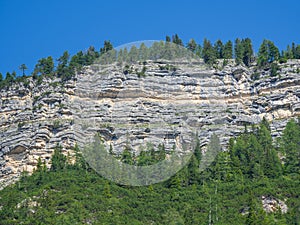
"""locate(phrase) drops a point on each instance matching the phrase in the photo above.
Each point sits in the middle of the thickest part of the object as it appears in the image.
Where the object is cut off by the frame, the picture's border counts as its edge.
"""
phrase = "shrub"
(39, 80)
(56, 124)
(282, 60)
(20, 125)
(274, 70)
(142, 73)
(255, 76)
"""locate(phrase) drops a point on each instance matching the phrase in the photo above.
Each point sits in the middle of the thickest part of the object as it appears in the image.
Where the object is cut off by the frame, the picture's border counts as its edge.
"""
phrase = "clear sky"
(34, 29)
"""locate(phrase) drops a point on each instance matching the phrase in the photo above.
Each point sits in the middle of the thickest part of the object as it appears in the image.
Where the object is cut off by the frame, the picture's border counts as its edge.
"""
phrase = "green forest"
(229, 191)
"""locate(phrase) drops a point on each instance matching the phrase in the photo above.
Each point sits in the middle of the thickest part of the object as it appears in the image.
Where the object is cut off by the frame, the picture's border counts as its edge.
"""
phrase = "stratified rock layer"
(34, 118)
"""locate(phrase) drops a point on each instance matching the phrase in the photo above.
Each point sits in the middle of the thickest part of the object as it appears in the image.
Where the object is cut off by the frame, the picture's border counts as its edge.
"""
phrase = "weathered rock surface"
(271, 204)
(35, 118)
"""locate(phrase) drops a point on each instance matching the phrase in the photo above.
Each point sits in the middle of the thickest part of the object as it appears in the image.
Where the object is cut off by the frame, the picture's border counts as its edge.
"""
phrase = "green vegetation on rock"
(230, 191)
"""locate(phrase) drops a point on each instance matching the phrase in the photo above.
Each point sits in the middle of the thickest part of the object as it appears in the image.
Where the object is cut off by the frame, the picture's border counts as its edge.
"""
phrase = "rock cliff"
(35, 117)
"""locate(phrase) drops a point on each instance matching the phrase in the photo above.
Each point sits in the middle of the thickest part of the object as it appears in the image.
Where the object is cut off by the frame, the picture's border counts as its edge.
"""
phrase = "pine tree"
(219, 49)
(238, 51)
(198, 152)
(256, 215)
(193, 170)
(213, 148)
(198, 50)
(39, 165)
(90, 55)
(62, 67)
(120, 56)
(288, 54)
(192, 45)
(227, 52)
(64, 59)
(273, 52)
(247, 51)
(59, 160)
(133, 54)
(14, 75)
(297, 52)
(106, 190)
(77, 61)
(266, 124)
(125, 55)
(267, 53)
(143, 52)
(254, 155)
(177, 40)
(161, 154)
(223, 169)
(107, 46)
(168, 39)
(263, 54)
(45, 66)
(23, 67)
(274, 69)
(293, 50)
(271, 163)
(127, 156)
(291, 145)
(9, 78)
(208, 52)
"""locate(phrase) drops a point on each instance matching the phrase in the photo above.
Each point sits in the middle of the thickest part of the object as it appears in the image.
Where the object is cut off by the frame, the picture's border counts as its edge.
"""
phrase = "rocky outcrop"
(34, 118)
(271, 204)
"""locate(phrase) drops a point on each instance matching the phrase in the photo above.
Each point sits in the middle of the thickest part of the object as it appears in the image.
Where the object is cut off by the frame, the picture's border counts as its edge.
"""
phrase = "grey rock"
(194, 99)
(271, 205)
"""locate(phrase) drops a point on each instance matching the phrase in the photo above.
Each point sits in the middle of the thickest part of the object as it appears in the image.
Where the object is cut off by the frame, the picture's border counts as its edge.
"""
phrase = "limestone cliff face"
(34, 118)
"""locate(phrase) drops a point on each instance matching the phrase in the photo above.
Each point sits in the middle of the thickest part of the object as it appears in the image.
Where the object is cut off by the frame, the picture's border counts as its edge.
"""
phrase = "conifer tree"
(168, 39)
(291, 145)
(256, 214)
(177, 40)
(63, 70)
(192, 45)
(9, 78)
(208, 52)
(44, 66)
(14, 75)
(238, 51)
(59, 160)
(193, 170)
(23, 67)
(219, 49)
(133, 54)
(227, 52)
(107, 46)
(247, 51)
(271, 163)
(297, 52)
(143, 52)
(267, 53)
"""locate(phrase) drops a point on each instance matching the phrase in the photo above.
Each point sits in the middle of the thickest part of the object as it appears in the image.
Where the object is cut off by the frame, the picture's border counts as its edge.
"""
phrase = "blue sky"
(31, 30)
